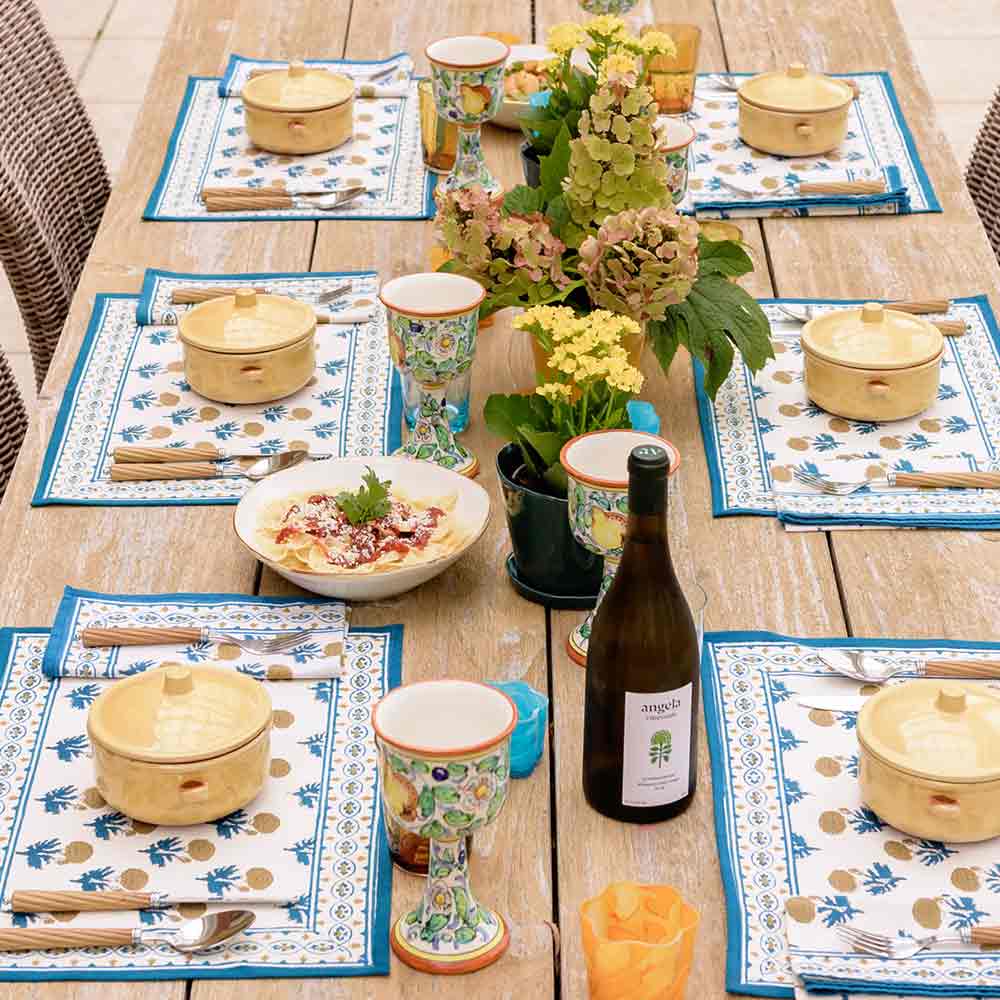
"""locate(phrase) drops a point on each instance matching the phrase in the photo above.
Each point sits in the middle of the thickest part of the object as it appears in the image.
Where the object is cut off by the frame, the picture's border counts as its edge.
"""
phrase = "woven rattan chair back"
(53, 182)
(13, 422)
(983, 173)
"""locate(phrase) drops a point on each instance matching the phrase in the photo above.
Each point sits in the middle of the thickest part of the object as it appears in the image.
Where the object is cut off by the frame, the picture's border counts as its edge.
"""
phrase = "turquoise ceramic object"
(528, 738)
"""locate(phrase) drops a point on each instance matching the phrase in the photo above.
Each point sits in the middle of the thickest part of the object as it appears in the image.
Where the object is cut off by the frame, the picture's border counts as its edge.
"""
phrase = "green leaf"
(495, 803)
(488, 763)
(397, 763)
(457, 771)
(461, 903)
(440, 871)
(555, 476)
(715, 317)
(445, 794)
(458, 818)
(547, 444)
(555, 166)
(725, 257)
(465, 935)
(557, 212)
(419, 767)
(414, 915)
(426, 802)
(505, 414)
(433, 830)
(435, 923)
(523, 200)
(369, 502)
(425, 451)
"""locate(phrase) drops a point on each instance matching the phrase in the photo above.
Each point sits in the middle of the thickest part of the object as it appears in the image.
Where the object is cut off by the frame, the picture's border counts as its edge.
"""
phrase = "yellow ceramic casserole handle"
(63, 901)
(197, 453)
(252, 373)
(878, 389)
(969, 480)
(35, 938)
(137, 472)
(804, 129)
(962, 668)
(103, 637)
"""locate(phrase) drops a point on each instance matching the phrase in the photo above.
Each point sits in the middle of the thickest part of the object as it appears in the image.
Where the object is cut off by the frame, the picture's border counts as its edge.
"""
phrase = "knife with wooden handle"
(40, 938)
(197, 453)
(138, 472)
(63, 901)
(103, 638)
(969, 480)
(961, 668)
(193, 296)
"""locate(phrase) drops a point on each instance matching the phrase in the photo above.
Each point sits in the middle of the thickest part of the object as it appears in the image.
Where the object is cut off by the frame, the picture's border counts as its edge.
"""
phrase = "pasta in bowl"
(361, 529)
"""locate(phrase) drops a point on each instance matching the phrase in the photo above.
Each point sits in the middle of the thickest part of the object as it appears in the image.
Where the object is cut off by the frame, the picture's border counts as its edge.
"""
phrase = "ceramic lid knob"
(297, 68)
(246, 299)
(178, 680)
(797, 69)
(951, 699)
(872, 312)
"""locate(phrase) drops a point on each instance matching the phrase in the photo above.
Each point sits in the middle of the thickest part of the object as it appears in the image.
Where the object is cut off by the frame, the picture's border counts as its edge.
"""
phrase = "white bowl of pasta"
(362, 528)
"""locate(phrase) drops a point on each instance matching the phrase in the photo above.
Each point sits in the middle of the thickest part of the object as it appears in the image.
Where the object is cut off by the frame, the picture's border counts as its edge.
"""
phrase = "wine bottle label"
(657, 751)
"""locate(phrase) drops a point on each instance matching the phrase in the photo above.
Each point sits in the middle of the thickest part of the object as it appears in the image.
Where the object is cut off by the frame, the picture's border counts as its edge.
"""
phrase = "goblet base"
(577, 642)
(457, 961)
(458, 459)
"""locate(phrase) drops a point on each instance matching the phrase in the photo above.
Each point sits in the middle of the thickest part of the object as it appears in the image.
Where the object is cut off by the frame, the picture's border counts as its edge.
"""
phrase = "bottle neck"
(647, 528)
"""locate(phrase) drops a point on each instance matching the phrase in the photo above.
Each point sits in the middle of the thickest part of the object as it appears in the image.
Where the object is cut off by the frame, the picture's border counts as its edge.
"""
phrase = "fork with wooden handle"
(106, 900)
(132, 453)
(192, 296)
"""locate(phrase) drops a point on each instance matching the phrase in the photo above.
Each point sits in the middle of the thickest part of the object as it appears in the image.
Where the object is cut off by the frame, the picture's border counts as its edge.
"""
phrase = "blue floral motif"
(963, 912)
(143, 400)
(41, 852)
(234, 824)
(932, 852)
(794, 792)
(58, 800)
(70, 747)
(879, 879)
(297, 909)
(164, 850)
(95, 880)
(787, 740)
(308, 795)
(109, 824)
(837, 910)
(83, 697)
(800, 849)
(863, 820)
(218, 880)
(315, 743)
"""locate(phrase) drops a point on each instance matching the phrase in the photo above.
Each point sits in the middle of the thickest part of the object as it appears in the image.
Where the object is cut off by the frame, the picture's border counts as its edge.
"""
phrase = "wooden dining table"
(548, 851)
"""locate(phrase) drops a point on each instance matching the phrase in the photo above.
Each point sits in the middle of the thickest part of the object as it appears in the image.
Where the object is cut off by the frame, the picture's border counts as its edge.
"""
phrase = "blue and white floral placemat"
(878, 143)
(314, 833)
(128, 387)
(796, 843)
(209, 147)
(761, 428)
(317, 657)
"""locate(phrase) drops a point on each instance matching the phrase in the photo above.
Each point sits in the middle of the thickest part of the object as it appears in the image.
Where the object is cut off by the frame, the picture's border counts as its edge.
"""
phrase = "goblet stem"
(431, 438)
(579, 638)
(470, 163)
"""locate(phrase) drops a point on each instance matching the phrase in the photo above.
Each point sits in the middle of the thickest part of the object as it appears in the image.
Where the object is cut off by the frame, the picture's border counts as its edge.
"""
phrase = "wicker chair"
(13, 422)
(983, 173)
(53, 182)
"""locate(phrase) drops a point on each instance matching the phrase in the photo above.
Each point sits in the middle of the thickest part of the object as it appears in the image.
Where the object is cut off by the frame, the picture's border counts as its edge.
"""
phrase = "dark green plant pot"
(531, 165)
(549, 560)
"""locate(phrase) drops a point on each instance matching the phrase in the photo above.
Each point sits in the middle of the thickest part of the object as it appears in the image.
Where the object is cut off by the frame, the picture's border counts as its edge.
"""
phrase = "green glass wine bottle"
(640, 734)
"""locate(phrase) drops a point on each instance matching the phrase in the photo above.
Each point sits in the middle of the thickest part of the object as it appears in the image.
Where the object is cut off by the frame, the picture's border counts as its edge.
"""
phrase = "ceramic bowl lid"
(872, 337)
(600, 458)
(298, 88)
(246, 323)
(795, 90)
(179, 714)
(942, 730)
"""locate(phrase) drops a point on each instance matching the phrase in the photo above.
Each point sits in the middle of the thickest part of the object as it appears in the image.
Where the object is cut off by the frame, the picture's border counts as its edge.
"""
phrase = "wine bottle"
(639, 737)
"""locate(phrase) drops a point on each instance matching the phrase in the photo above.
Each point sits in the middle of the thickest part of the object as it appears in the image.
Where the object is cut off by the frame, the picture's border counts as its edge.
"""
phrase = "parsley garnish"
(369, 502)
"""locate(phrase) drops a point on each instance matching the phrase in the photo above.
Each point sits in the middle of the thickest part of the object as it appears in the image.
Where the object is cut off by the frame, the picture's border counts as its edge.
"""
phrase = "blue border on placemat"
(381, 910)
(933, 204)
(735, 931)
(394, 417)
(150, 213)
(710, 444)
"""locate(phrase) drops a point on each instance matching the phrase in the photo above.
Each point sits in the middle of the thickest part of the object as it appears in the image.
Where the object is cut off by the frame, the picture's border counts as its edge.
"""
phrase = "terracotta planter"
(548, 559)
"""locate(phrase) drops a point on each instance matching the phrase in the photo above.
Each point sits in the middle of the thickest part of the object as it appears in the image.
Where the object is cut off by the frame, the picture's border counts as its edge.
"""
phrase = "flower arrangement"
(607, 44)
(600, 232)
(588, 385)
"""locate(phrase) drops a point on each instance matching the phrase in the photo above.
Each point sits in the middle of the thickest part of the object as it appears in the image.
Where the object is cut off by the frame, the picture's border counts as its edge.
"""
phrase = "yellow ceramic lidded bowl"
(793, 112)
(248, 347)
(299, 110)
(181, 745)
(930, 759)
(872, 363)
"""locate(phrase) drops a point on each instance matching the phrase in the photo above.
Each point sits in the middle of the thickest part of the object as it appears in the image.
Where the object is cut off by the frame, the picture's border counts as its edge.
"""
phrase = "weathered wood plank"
(756, 576)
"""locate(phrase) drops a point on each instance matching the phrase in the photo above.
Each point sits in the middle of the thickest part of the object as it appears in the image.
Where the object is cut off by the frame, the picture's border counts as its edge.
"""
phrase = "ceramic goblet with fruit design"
(433, 320)
(468, 73)
(596, 466)
(444, 762)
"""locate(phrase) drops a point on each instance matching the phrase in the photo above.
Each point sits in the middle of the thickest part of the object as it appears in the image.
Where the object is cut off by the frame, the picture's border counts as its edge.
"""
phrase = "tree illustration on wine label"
(659, 747)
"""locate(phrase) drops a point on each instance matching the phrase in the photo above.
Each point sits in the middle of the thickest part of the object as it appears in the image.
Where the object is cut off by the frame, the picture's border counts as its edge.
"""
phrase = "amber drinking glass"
(672, 77)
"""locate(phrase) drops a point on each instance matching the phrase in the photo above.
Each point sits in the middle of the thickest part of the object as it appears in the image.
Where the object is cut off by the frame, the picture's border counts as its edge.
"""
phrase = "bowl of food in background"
(525, 74)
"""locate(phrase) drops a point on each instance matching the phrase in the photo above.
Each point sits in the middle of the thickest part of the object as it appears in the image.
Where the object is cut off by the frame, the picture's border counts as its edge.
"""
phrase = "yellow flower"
(657, 43)
(605, 26)
(563, 38)
(554, 391)
(618, 65)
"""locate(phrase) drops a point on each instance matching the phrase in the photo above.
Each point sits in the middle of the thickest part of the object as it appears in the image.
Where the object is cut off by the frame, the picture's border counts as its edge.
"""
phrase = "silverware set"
(933, 480)
(883, 946)
(804, 312)
(233, 199)
(105, 637)
(146, 464)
